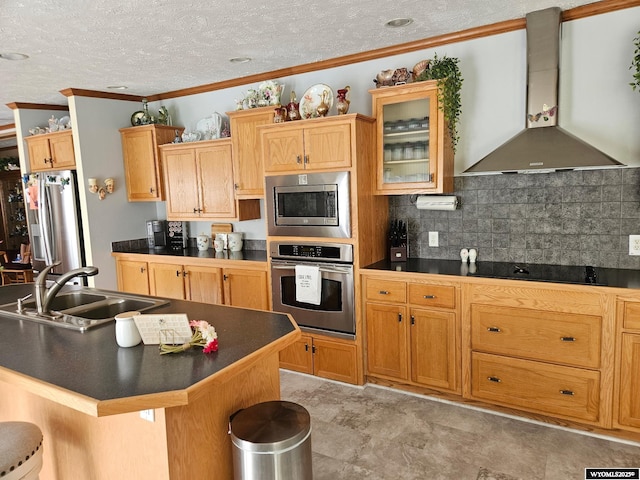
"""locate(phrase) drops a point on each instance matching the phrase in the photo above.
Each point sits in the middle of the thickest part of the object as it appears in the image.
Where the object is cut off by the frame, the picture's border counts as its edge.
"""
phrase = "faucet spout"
(44, 295)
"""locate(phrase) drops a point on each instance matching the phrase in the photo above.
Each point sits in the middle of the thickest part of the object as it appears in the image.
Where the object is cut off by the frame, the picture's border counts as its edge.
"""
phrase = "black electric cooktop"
(583, 275)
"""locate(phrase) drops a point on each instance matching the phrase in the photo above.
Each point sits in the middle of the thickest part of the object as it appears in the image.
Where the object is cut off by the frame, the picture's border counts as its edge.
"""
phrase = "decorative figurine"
(323, 107)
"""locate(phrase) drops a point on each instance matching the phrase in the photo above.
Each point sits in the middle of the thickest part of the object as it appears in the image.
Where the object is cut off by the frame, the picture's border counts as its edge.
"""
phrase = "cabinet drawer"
(553, 389)
(386, 290)
(631, 315)
(432, 295)
(550, 336)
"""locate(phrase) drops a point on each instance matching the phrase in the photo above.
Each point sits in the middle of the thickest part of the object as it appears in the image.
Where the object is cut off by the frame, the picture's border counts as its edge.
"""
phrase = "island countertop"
(89, 372)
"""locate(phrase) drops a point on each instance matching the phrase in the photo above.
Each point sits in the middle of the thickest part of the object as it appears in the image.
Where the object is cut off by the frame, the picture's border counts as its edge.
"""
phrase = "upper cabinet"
(248, 170)
(51, 151)
(414, 149)
(318, 144)
(198, 179)
(143, 170)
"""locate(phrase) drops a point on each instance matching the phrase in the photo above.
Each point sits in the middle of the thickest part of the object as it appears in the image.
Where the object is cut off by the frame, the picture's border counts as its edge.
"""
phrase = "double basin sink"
(81, 310)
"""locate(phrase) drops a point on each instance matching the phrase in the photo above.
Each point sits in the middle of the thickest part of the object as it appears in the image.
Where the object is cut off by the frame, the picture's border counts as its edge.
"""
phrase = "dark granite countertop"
(91, 363)
(250, 255)
(610, 277)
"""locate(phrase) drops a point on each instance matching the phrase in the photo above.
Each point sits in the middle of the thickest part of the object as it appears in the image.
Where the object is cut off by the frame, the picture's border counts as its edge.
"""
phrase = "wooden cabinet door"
(283, 150)
(39, 153)
(215, 181)
(180, 175)
(248, 169)
(245, 288)
(298, 357)
(433, 348)
(327, 147)
(387, 340)
(629, 383)
(143, 183)
(334, 360)
(133, 276)
(204, 284)
(62, 154)
(166, 280)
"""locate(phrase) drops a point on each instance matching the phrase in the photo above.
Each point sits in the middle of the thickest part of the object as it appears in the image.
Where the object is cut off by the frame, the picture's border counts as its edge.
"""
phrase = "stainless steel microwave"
(309, 205)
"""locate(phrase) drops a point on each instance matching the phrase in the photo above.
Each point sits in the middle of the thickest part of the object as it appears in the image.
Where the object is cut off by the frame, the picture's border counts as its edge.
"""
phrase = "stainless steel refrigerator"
(52, 205)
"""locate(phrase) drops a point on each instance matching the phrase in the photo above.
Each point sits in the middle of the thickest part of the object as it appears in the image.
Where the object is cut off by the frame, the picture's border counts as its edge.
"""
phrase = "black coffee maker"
(157, 234)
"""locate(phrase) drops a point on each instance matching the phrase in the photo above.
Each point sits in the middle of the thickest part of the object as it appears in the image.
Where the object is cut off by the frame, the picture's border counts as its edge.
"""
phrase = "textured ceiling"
(156, 46)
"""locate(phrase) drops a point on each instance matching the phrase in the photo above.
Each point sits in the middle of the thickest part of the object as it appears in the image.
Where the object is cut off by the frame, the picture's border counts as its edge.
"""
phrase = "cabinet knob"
(399, 317)
(298, 159)
(428, 297)
(178, 273)
(225, 277)
(195, 210)
(151, 189)
(236, 186)
(383, 292)
(567, 339)
(142, 269)
(306, 159)
(494, 329)
(566, 392)
(413, 320)
(494, 379)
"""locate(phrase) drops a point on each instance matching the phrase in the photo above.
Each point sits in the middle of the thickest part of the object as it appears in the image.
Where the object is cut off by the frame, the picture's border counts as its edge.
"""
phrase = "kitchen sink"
(81, 310)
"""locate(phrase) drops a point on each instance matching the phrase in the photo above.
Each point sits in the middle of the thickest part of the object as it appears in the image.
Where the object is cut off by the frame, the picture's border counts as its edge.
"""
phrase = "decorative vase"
(342, 104)
(323, 107)
(292, 108)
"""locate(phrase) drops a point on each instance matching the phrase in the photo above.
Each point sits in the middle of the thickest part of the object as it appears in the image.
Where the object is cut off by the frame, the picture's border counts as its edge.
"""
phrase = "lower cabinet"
(133, 276)
(322, 356)
(239, 287)
(406, 340)
(629, 381)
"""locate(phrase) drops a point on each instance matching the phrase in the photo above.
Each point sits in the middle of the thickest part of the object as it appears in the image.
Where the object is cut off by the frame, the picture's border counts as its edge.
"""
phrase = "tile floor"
(381, 434)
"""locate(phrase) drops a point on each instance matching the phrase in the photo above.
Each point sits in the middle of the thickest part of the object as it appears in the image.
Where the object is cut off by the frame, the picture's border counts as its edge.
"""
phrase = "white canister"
(218, 244)
(127, 334)
(234, 241)
(202, 240)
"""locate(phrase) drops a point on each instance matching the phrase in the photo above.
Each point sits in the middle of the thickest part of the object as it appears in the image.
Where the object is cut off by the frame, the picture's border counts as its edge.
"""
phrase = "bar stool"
(20, 451)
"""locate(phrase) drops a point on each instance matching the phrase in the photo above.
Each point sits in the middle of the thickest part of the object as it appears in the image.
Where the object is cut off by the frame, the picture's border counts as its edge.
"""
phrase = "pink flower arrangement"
(204, 335)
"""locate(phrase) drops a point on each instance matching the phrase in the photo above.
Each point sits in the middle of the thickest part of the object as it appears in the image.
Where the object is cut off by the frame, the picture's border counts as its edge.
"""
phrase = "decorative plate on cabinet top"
(312, 98)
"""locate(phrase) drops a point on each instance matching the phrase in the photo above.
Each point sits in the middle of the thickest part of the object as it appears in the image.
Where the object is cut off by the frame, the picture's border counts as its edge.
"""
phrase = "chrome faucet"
(45, 295)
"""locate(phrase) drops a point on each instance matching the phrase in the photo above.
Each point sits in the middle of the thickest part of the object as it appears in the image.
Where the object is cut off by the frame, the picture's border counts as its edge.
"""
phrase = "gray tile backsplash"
(567, 218)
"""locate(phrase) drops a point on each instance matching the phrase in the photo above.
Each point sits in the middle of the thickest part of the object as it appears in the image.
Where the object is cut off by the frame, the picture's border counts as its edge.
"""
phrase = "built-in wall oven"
(293, 268)
(308, 205)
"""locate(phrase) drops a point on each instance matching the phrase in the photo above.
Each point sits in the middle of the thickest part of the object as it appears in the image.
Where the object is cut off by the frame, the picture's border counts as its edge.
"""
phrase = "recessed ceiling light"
(240, 59)
(117, 87)
(14, 56)
(399, 22)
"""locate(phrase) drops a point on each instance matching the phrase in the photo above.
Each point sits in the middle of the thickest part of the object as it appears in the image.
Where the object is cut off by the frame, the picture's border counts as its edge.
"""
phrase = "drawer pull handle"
(494, 379)
(383, 292)
(428, 297)
(568, 339)
(494, 329)
(566, 392)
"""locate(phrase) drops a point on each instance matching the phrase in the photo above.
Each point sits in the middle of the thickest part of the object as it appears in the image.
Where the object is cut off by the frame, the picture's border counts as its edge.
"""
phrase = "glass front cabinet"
(415, 154)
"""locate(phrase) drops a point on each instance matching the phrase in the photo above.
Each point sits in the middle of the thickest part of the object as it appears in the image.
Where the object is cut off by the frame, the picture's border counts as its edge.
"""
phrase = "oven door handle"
(291, 266)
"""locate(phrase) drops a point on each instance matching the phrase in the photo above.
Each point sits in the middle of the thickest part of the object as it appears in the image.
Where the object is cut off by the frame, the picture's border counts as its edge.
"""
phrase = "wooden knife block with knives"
(398, 241)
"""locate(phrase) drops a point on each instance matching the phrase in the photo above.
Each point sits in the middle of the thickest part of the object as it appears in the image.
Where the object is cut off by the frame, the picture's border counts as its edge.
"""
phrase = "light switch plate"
(634, 244)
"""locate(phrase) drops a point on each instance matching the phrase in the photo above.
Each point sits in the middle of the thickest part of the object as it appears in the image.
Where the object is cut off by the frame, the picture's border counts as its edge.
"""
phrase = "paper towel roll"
(437, 202)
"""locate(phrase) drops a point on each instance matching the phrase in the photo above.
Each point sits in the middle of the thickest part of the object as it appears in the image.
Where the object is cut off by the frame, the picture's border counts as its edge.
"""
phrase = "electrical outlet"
(433, 239)
(148, 415)
(634, 244)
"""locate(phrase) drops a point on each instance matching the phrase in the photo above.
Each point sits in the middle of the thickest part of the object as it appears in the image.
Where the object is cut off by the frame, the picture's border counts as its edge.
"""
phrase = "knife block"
(398, 254)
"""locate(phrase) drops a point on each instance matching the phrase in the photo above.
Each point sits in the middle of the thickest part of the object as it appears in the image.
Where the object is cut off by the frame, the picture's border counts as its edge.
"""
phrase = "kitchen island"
(86, 393)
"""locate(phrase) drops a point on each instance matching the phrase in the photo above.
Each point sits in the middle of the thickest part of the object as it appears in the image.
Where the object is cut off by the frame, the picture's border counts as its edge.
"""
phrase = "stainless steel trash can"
(271, 441)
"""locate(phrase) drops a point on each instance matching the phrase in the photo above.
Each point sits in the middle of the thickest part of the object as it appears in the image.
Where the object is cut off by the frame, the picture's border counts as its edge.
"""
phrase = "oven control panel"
(322, 251)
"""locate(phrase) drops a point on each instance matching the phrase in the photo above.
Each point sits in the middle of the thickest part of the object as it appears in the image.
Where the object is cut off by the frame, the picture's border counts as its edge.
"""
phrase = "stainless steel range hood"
(543, 145)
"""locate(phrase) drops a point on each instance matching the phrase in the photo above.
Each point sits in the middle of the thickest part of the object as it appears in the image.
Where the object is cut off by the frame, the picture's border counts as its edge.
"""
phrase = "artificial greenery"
(445, 70)
(635, 63)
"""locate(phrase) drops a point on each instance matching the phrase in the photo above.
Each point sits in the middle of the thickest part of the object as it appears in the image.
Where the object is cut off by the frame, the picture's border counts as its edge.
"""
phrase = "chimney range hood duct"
(543, 146)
